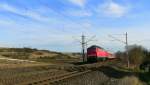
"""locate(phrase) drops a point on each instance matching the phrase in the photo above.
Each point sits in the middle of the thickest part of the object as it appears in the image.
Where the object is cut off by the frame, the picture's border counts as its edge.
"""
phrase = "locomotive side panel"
(101, 54)
(96, 53)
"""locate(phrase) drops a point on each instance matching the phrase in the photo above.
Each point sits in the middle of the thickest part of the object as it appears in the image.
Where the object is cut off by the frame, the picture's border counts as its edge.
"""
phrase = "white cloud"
(6, 22)
(113, 9)
(80, 3)
(23, 12)
(78, 13)
(7, 7)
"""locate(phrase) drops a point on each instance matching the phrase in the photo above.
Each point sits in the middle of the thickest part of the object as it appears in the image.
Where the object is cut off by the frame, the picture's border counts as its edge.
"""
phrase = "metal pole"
(84, 44)
(83, 47)
(126, 47)
(127, 52)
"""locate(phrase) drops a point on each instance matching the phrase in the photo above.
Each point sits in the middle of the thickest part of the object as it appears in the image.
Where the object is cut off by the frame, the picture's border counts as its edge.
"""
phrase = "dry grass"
(132, 80)
(4, 64)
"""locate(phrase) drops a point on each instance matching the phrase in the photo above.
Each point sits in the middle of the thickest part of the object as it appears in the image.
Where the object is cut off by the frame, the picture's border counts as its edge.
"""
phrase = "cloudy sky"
(58, 24)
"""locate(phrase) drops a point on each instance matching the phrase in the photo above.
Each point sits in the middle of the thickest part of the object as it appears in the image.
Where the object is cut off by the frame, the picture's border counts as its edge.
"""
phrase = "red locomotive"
(96, 53)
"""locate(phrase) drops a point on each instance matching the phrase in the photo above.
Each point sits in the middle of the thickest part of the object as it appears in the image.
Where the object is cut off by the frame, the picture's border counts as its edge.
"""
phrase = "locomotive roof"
(95, 46)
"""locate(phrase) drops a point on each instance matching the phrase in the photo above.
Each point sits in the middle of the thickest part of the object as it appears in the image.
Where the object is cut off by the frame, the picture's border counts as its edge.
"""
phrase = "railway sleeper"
(67, 77)
(36, 82)
(57, 79)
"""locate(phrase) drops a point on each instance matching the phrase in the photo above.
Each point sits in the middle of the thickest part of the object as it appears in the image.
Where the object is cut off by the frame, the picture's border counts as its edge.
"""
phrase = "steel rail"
(55, 79)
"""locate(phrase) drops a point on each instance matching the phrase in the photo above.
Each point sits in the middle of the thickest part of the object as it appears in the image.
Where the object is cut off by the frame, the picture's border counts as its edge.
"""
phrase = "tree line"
(137, 55)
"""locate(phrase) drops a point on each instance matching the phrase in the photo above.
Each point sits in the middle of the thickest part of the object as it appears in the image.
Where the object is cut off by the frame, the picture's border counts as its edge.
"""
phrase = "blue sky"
(58, 24)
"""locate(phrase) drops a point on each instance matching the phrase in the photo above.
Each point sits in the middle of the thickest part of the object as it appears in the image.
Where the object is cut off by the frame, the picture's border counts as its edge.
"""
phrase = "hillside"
(35, 54)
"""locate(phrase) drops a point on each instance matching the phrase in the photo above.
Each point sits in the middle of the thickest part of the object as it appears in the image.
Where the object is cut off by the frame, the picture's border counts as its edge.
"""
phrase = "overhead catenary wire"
(126, 45)
(83, 40)
(84, 44)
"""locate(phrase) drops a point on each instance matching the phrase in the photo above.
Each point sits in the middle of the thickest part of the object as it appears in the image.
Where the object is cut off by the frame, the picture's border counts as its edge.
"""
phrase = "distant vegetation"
(17, 53)
(25, 49)
(137, 55)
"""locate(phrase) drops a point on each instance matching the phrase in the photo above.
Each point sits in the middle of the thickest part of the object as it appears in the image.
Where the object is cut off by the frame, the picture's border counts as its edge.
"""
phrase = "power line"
(140, 41)
(116, 39)
(84, 44)
(126, 45)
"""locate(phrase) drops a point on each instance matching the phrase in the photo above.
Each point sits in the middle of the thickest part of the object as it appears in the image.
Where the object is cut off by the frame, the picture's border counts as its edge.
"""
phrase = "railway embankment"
(88, 74)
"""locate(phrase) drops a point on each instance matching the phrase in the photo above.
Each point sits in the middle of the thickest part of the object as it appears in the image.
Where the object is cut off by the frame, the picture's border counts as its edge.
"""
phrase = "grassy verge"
(143, 76)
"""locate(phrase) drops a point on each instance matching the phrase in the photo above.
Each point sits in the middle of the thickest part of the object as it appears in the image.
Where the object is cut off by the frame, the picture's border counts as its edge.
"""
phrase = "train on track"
(96, 53)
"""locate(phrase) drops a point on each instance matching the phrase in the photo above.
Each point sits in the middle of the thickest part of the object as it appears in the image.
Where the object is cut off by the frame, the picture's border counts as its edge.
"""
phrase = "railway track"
(55, 79)
(73, 72)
